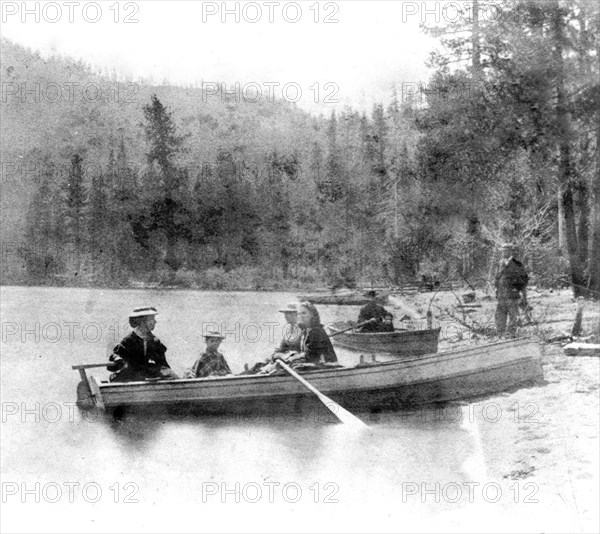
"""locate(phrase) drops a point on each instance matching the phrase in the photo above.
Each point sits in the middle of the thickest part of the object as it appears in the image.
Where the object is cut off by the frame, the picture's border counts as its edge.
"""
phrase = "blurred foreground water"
(524, 461)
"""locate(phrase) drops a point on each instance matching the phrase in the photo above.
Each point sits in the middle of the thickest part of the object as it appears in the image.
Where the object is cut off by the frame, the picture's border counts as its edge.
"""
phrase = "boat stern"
(96, 392)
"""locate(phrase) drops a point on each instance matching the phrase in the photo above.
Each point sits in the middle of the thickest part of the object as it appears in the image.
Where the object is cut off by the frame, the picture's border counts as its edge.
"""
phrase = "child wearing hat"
(140, 354)
(212, 362)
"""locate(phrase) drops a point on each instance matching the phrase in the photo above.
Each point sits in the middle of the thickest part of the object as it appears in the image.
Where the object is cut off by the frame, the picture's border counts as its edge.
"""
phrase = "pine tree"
(164, 146)
(75, 204)
(98, 217)
(166, 187)
(42, 253)
(332, 188)
(277, 215)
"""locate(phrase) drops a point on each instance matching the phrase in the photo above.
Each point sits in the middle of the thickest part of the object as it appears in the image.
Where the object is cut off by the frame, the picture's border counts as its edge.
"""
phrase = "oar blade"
(342, 414)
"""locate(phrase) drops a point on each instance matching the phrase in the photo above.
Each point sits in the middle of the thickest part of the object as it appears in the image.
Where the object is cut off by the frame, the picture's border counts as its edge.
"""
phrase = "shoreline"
(300, 289)
(551, 317)
(305, 288)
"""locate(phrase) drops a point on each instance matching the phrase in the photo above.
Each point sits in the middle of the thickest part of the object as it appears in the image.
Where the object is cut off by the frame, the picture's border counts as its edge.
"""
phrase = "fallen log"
(582, 349)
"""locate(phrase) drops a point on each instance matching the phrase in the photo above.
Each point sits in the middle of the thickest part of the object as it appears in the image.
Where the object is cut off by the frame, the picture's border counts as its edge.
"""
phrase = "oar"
(342, 414)
(90, 365)
(352, 327)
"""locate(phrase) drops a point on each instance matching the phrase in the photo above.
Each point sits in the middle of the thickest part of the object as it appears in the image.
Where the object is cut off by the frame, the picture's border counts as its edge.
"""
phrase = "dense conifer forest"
(141, 184)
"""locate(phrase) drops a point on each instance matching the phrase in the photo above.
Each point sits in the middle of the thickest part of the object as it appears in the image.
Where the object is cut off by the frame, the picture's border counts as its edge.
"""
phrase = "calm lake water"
(65, 471)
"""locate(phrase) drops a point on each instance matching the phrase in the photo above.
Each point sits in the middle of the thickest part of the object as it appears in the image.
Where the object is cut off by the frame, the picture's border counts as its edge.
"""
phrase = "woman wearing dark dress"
(314, 343)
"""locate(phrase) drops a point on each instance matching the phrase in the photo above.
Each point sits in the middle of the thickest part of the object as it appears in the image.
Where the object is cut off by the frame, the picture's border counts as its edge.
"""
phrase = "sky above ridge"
(323, 55)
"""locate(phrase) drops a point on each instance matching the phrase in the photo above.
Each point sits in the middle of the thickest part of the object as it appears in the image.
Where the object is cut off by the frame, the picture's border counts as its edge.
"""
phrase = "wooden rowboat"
(474, 371)
(398, 342)
(342, 299)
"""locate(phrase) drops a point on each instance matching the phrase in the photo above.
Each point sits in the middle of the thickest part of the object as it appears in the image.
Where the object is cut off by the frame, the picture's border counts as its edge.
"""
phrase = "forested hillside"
(160, 184)
(96, 192)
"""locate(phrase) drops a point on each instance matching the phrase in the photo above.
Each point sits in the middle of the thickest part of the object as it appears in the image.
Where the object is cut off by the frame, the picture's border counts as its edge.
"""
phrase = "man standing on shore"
(511, 287)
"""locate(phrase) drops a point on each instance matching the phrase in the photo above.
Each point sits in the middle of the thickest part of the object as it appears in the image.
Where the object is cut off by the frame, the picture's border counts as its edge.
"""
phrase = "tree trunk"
(285, 262)
(577, 268)
(565, 164)
(561, 222)
(583, 233)
(476, 44)
(594, 257)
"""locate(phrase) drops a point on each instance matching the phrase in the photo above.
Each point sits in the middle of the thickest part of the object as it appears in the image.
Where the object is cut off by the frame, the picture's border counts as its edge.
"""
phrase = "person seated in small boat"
(140, 354)
(291, 331)
(315, 346)
(212, 362)
(374, 310)
(290, 341)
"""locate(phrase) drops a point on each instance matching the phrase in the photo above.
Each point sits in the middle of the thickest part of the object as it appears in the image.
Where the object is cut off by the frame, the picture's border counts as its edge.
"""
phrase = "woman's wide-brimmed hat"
(290, 308)
(142, 311)
(214, 334)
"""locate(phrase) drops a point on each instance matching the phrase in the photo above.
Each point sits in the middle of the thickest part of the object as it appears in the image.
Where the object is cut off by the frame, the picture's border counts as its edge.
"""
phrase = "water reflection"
(171, 455)
(135, 435)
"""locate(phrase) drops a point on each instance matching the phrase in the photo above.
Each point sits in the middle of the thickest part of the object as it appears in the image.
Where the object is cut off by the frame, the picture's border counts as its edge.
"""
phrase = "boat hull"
(399, 342)
(440, 377)
(348, 299)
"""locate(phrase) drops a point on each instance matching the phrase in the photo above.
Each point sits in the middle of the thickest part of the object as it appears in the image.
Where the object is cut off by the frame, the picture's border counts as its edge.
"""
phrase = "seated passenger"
(140, 354)
(212, 362)
(291, 331)
(315, 345)
(374, 310)
(290, 341)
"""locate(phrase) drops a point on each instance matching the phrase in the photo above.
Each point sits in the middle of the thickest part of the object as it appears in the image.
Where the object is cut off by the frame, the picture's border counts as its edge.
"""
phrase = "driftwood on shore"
(582, 349)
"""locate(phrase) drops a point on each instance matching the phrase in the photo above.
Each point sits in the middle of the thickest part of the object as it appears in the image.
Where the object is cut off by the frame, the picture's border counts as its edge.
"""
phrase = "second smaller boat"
(345, 298)
(399, 342)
